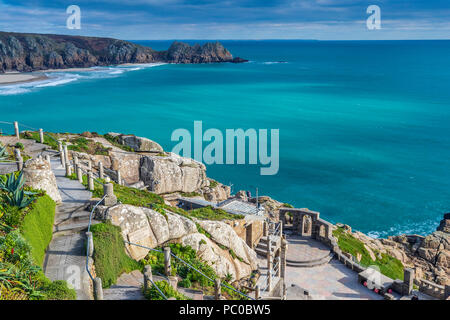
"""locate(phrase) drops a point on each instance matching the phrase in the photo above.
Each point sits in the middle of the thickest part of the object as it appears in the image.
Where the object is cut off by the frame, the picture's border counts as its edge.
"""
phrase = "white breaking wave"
(61, 78)
(274, 62)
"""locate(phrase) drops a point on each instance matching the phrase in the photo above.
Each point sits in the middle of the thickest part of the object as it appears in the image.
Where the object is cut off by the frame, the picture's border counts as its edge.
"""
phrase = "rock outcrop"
(39, 175)
(429, 256)
(224, 235)
(32, 52)
(216, 193)
(172, 173)
(180, 52)
(149, 228)
(140, 144)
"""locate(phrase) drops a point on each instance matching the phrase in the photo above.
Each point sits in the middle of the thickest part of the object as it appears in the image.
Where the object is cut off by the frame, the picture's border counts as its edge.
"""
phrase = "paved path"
(66, 255)
(330, 281)
(128, 287)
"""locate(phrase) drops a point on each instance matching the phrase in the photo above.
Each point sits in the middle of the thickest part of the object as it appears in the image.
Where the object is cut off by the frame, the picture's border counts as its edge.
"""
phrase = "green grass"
(58, 290)
(37, 227)
(209, 213)
(389, 266)
(145, 198)
(82, 144)
(110, 257)
(47, 140)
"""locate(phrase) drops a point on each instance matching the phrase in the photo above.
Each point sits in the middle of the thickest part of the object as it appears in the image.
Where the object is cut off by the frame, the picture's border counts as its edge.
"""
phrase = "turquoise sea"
(364, 126)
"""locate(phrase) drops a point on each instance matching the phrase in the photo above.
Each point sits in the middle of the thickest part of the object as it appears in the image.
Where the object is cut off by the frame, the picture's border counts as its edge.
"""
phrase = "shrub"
(58, 290)
(110, 257)
(185, 283)
(19, 145)
(153, 293)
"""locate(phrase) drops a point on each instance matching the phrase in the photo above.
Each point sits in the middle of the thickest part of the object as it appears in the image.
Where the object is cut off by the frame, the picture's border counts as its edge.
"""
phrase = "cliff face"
(33, 52)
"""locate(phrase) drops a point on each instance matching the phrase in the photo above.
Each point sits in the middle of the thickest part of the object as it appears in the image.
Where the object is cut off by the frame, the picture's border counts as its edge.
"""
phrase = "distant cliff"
(32, 52)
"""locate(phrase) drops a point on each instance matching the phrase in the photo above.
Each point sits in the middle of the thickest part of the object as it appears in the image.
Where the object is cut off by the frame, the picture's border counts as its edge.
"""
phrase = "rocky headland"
(24, 52)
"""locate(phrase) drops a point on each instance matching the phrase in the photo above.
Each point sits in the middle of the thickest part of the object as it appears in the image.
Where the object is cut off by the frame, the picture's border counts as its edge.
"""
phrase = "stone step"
(309, 264)
(263, 246)
(276, 241)
(262, 253)
(71, 226)
(75, 216)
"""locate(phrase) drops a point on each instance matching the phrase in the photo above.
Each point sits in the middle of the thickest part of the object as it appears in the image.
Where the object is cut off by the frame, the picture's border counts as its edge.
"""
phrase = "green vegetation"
(110, 257)
(82, 144)
(190, 194)
(213, 183)
(287, 205)
(19, 145)
(4, 155)
(14, 193)
(25, 232)
(191, 278)
(115, 142)
(52, 143)
(389, 266)
(153, 293)
(37, 227)
(209, 213)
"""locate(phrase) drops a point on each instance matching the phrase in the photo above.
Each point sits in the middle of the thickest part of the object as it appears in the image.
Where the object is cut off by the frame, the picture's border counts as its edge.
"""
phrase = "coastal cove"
(363, 135)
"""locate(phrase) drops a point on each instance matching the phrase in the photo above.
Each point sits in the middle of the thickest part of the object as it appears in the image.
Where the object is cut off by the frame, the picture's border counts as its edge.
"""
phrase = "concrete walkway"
(128, 287)
(66, 255)
(329, 281)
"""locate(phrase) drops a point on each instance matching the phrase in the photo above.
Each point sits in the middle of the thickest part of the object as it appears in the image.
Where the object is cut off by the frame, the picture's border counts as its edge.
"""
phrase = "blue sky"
(232, 19)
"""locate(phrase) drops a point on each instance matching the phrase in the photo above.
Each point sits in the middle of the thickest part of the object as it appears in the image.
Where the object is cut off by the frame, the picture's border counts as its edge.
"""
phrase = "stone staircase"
(262, 247)
(66, 255)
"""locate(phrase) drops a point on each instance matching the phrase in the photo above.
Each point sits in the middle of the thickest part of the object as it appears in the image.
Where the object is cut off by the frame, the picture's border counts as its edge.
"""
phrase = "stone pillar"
(108, 191)
(281, 229)
(269, 281)
(257, 293)
(61, 154)
(47, 158)
(90, 181)
(101, 171)
(98, 290)
(19, 159)
(66, 155)
(119, 177)
(89, 163)
(41, 135)
(90, 242)
(265, 229)
(16, 129)
(217, 289)
(283, 254)
(68, 170)
(167, 266)
(148, 277)
(408, 281)
(79, 175)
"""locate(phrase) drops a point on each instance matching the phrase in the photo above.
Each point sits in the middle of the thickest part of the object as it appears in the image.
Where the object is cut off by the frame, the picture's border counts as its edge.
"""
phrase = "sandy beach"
(13, 78)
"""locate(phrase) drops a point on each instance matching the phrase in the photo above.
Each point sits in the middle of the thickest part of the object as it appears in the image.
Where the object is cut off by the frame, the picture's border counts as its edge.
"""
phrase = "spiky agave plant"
(11, 182)
(3, 153)
(14, 186)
